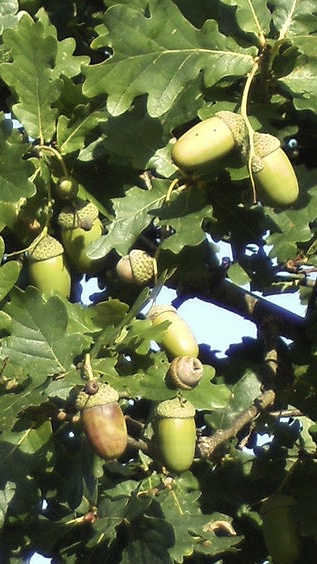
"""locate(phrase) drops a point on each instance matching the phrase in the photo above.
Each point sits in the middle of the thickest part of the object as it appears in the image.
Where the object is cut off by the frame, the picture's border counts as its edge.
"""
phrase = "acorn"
(209, 140)
(184, 372)
(80, 226)
(178, 339)
(103, 419)
(66, 188)
(47, 267)
(273, 173)
(175, 430)
(138, 267)
(280, 529)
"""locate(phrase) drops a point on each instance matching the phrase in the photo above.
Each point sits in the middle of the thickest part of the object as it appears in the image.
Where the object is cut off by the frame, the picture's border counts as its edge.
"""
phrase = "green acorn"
(138, 267)
(184, 372)
(80, 226)
(175, 431)
(280, 529)
(103, 420)
(178, 339)
(209, 140)
(66, 188)
(47, 267)
(274, 176)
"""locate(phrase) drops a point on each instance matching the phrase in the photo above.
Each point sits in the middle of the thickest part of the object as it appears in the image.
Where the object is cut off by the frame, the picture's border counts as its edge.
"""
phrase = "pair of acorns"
(174, 420)
(80, 225)
(214, 138)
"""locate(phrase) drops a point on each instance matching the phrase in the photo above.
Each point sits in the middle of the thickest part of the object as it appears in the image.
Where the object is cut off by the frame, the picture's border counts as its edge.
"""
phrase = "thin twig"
(208, 445)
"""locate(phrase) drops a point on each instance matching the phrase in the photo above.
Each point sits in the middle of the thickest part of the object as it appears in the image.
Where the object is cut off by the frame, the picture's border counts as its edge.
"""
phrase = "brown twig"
(207, 445)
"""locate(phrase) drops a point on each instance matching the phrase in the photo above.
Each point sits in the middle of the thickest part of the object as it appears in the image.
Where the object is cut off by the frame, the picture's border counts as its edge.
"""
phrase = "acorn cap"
(142, 265)
(158, 309)
(105, 394)
(176, 408)
(48, 247)
(236, 124)
(136, 267)
(78, 214)
(264, 145)
(184, 372)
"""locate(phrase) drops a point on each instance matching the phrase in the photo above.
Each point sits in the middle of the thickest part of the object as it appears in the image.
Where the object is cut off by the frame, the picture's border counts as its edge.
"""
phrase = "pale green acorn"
(47, 267)
(80, 226)
(175, 431)
(178, 338)
(138, 267)
(280, 529)
(209, 140)
(273, 173)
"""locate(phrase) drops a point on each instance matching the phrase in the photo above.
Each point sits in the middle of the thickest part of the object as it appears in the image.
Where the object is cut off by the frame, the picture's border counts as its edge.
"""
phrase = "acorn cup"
(178, 339)
(103, 420)
(175, 431)
(138, 267)
(280, 529)
(273, 173)
(209, 140)
(47, 267)
(80, 226)
(184, 373)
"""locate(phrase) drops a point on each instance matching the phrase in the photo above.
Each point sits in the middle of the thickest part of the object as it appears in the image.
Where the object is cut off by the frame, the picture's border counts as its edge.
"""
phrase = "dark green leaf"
(131, 217)
(9, 273)
(14, 176)
(31, 77)
(185, 214)
(39, 340)
(300, 82)
(294, 17)
(162, 56)
(252, 18)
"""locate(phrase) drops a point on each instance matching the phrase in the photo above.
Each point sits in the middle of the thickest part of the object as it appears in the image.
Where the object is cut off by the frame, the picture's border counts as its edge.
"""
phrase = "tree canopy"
(134, 137)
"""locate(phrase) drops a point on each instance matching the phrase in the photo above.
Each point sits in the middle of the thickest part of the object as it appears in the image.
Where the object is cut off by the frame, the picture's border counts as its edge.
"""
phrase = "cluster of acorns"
(79, 225)
(214, 138)
(174, 421)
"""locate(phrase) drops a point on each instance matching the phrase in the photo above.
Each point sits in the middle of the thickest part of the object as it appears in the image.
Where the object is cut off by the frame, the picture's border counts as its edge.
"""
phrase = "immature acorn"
(273, 172)
(66, 188)
(280, 529)
(80, 226)
(138, 267)
(47, 267)
(178, 339)
(103, 420)
(184, 372)
(175, 431)
(209, 140)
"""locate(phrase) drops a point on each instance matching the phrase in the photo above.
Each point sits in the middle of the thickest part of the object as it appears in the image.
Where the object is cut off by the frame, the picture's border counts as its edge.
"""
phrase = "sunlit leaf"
(161, 57)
